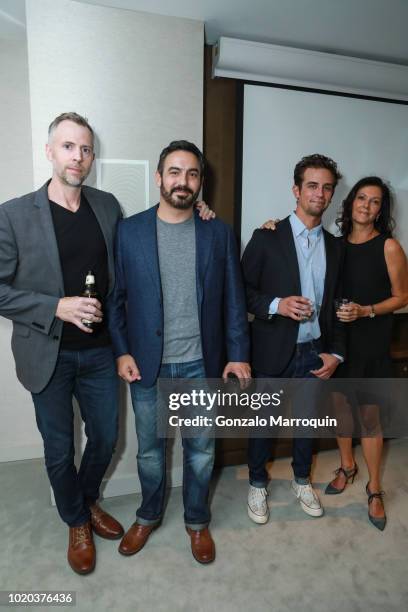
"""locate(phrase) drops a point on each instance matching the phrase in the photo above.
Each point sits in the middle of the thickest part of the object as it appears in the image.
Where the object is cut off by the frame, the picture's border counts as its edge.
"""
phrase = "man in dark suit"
(291, 276)
(185, 317)
(45, 255)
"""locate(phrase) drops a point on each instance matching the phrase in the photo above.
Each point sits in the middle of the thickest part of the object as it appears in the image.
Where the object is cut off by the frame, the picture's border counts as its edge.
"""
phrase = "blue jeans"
(305, 358)
(198, 455)
(89, 376)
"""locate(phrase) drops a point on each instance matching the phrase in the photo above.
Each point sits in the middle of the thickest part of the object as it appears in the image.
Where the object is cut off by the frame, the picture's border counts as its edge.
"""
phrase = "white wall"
(16, 169)
(365, 137)
(139, 80)
(137, 77)
(19, 437)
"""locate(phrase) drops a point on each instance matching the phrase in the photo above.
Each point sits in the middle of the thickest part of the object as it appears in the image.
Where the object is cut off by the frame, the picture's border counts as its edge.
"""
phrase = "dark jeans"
(90, 377)
(198, 455)
(305, 358)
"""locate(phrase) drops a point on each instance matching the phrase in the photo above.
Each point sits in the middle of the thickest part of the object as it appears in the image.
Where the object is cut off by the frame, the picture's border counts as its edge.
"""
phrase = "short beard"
(179, 203)
(73, 181)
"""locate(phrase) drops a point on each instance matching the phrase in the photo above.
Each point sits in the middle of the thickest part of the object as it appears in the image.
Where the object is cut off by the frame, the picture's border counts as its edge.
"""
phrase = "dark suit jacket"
(270, 269)
(138, 330)
(31, 281)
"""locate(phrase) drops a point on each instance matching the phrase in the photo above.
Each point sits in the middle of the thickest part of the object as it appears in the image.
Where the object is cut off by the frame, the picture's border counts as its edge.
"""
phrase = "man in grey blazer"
(49, 240)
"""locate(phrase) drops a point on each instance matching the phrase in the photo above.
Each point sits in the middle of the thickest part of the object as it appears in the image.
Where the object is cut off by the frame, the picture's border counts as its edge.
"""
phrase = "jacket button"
(158, 332)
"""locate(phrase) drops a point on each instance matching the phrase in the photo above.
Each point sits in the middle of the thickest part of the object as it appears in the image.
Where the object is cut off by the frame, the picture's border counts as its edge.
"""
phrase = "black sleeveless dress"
(366, 281)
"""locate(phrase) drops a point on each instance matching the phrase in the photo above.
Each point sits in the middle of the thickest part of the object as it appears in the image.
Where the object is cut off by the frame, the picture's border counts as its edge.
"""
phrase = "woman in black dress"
(375, 279)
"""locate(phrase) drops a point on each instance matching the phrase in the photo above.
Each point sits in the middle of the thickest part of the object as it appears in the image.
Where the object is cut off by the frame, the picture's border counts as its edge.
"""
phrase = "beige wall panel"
(139, 80)
(137, 77)
(19, 438)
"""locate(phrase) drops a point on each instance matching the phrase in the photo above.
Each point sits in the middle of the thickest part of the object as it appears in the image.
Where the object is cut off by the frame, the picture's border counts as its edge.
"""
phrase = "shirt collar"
(299, 227)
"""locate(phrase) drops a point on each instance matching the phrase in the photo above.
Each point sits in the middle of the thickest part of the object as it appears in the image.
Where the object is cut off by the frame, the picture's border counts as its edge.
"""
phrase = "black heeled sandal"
(349, 476)
(377, 521)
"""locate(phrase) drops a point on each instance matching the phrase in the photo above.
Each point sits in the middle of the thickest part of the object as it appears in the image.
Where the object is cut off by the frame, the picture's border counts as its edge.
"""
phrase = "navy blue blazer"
(271, 269)
(135, 308)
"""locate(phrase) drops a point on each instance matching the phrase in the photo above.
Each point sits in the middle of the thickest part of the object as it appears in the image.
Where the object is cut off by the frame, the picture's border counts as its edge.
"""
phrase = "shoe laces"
(307, 493)
(96, 513)
(257, 497)
(81, 534)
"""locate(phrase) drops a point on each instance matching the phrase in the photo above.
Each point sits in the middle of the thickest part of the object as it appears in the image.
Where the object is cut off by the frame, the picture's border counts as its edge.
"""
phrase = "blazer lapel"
(147, 237)
(41, 202)
(204, 243)
(99, 213)
(287, 243)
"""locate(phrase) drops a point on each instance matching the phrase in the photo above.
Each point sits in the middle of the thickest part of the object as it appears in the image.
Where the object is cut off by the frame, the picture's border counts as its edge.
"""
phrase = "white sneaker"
(308, 499)
(258, 509)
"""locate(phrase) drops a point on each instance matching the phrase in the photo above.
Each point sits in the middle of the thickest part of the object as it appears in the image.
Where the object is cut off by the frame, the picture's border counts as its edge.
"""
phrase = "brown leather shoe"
(135, 538)
(81, 549)
(104, 524)
(202, 545)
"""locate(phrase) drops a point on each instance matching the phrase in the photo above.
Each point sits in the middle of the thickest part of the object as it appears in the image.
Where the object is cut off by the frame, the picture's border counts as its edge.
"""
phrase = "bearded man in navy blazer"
(177, 311)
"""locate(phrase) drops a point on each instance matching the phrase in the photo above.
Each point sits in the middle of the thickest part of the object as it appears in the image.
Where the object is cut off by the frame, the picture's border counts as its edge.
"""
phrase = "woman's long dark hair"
(383, 224)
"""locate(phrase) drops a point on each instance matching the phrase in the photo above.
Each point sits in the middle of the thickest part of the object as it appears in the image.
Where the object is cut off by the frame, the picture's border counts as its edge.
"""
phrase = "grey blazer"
(31, 281)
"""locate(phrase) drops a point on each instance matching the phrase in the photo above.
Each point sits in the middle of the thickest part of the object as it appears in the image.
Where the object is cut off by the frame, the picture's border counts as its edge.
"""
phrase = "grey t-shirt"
(177, 260)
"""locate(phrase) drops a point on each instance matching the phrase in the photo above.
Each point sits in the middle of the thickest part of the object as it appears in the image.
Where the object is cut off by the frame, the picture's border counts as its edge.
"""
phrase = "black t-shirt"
(81, 248)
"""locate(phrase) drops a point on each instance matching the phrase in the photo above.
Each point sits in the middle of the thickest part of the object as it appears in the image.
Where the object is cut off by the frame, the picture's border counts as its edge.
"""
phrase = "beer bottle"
(90, 292)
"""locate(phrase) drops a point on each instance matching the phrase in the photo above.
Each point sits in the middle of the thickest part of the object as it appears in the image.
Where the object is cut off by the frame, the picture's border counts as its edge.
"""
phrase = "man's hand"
(75, 309)
(330, 363)
(241, 370)
(205, 211)
(296, 307)
(127, 368)
(270, 224)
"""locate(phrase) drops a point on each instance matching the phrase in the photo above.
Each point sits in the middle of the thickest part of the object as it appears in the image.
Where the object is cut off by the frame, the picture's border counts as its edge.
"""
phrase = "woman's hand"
(352, 311)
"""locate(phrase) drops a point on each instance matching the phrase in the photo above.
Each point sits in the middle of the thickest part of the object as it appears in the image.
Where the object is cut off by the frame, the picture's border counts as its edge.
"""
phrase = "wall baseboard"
(19, 453)
(128, 484)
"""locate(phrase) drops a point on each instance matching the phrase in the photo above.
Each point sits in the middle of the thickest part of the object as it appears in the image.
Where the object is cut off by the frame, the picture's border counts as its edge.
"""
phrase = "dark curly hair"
(315, 161)
(384, 222)
(181, 145)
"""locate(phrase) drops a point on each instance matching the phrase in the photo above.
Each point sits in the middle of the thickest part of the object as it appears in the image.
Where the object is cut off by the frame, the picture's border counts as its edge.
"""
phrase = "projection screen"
(364, 136)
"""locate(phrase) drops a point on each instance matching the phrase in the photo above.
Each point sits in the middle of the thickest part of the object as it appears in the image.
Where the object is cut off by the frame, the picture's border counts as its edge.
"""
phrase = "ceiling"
(12, 20)
(374, 29)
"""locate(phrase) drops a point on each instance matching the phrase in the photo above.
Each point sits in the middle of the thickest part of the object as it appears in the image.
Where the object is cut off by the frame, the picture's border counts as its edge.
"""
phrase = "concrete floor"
(295, 562)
